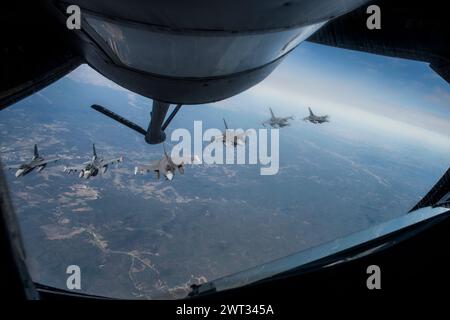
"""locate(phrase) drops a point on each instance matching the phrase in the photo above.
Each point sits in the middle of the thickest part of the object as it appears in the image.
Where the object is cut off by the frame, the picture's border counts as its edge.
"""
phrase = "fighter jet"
(316, 119)
(230, 138)
(277, 122)
(166, 166)
(36, 162)
(93, 167)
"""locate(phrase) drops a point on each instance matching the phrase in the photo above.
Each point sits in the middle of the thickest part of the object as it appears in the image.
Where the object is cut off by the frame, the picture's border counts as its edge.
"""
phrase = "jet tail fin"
(271, 112)
(310, 112)
(225, 123)
(93, 150)
(36, 152)
(165, 152)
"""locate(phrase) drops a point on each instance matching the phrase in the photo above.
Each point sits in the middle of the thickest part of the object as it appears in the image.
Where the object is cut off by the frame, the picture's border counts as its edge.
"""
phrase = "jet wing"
(14, 166)
(46, 161)
(112, 161)
(195, 159)
(241, 135)
(154, 166)
(239, 138)
(217, 138)
(73, 169)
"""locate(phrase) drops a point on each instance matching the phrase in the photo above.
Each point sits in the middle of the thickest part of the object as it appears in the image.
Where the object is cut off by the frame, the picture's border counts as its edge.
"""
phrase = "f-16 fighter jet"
(277, 122)
(316, 119)
(230, 137)
(93, 167)
(166, 166)
(36, 162)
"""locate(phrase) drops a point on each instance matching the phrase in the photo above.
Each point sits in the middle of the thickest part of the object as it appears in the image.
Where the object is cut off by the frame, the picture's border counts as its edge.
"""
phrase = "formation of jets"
(236, 138)
(166, 166)
(279, 122)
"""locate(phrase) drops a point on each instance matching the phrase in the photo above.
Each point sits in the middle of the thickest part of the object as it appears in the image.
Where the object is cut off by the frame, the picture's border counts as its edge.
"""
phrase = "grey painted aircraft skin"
(316, 119)
(93, 167)
(166, 166)
(277, 122)
(36, 162)
(230, 137)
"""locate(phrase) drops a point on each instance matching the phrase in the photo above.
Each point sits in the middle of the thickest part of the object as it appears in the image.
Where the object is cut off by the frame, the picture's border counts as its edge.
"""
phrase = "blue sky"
(391, 96)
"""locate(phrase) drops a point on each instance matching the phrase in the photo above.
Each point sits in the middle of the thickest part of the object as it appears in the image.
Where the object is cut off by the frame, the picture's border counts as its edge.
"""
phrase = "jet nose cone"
(169, 175)
(196, 159)
(19, 173)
